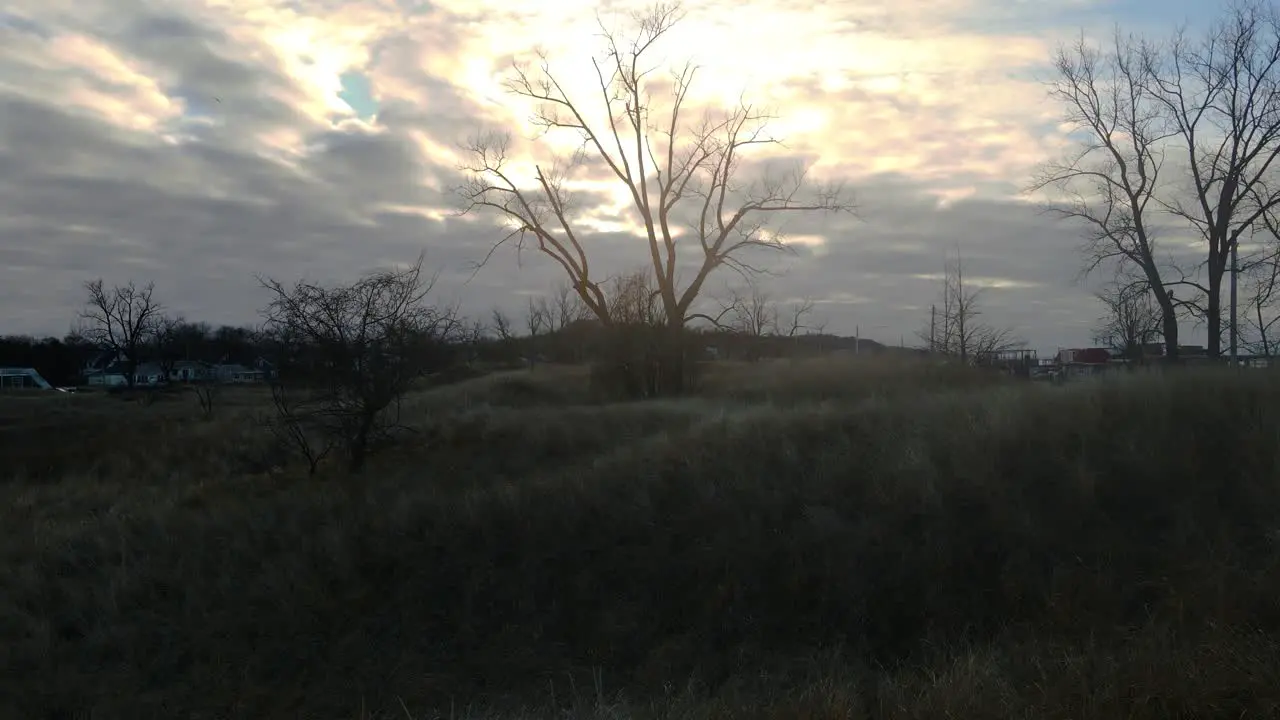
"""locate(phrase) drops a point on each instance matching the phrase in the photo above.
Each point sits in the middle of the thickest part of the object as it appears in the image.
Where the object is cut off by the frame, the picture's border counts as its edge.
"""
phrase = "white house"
(106, 370)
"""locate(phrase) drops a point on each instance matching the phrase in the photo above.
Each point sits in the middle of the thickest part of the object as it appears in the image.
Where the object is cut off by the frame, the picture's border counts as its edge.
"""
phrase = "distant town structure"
(19, 377)
(107, 370)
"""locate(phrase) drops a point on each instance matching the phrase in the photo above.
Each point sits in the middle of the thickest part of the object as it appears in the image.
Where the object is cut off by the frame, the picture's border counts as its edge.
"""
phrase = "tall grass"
(820, 540)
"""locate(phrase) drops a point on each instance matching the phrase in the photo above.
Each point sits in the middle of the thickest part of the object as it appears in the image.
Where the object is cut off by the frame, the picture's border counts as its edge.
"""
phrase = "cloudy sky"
(196, 144)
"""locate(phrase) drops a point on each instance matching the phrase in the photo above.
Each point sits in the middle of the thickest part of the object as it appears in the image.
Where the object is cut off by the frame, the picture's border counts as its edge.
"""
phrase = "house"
(16, 377)
(237, 373)
(149, 373)
(190, 371)
(106, 369)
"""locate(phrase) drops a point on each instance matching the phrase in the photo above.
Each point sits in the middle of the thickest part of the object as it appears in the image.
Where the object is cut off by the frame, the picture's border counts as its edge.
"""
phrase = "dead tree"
(751, 312)
(1131, 320)
(501, 326)
(566, 308)
(957, 330)
(207, 390)
(355, 350)
(166, 343)
(559, 316)
(120, 320)
(632, 299)
(677, 174)
(797, 319)
(537, 317)
(1262, 294)
(1262, 291)
(1219, 94)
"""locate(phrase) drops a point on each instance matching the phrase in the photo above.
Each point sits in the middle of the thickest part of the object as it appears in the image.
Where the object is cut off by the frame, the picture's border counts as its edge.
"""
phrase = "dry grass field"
(811, 539)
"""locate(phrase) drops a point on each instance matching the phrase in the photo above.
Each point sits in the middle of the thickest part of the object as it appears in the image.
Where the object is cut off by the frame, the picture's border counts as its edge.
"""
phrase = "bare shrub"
(207, 394)
(351, 352)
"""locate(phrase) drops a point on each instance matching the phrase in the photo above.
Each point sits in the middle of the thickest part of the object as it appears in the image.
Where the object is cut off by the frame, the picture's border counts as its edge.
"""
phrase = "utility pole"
(857, 340)
(933, 324)
(1235, 269)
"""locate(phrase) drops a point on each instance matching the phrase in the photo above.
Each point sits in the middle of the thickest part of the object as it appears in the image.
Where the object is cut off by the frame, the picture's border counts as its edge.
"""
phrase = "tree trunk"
(1213, 305)
(359, 448)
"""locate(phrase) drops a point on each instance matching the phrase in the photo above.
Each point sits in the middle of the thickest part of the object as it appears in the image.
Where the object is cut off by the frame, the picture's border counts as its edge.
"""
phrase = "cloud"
(199, 144)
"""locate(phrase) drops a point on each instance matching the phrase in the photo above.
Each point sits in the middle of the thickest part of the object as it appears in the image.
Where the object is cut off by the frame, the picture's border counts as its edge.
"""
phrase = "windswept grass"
(821, 540)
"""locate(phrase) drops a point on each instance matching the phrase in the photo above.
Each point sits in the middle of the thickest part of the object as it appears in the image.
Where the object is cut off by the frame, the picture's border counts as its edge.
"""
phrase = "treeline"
(58, 360)
(62, 361)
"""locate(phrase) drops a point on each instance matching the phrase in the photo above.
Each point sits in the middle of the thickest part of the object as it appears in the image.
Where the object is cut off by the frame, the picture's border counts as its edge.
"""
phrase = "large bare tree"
(1220, 93)
(121, 320)
(1110, 181)
(678, 172)
(1209, 104)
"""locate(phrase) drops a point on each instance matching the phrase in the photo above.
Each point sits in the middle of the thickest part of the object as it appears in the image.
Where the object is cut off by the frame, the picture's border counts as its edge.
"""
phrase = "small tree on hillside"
(503, 333)
(751, 314)
(356, 350)
(121, 320)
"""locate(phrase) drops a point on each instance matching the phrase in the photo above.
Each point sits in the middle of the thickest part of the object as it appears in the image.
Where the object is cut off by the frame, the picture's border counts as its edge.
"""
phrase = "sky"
(201, 145)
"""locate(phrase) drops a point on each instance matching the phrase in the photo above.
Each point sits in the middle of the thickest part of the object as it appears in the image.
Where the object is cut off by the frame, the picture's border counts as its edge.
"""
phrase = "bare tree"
(501, 325)
(357, 349)
(751, 312)
(1220, 95)
(538, 316)
(1262, 295)
(121, 320)
(632, 299)
(559, 314)
(166, 342)
(958, 330)
(754, 312)
(797, 319)
(566, 307)
(504, 334)
(1110, 182)
(664, 162)
(1131, 320)
(207, 390)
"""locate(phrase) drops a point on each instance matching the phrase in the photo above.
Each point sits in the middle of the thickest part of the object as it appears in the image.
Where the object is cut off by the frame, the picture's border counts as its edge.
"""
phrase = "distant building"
(16, 377)
(1084, 356)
